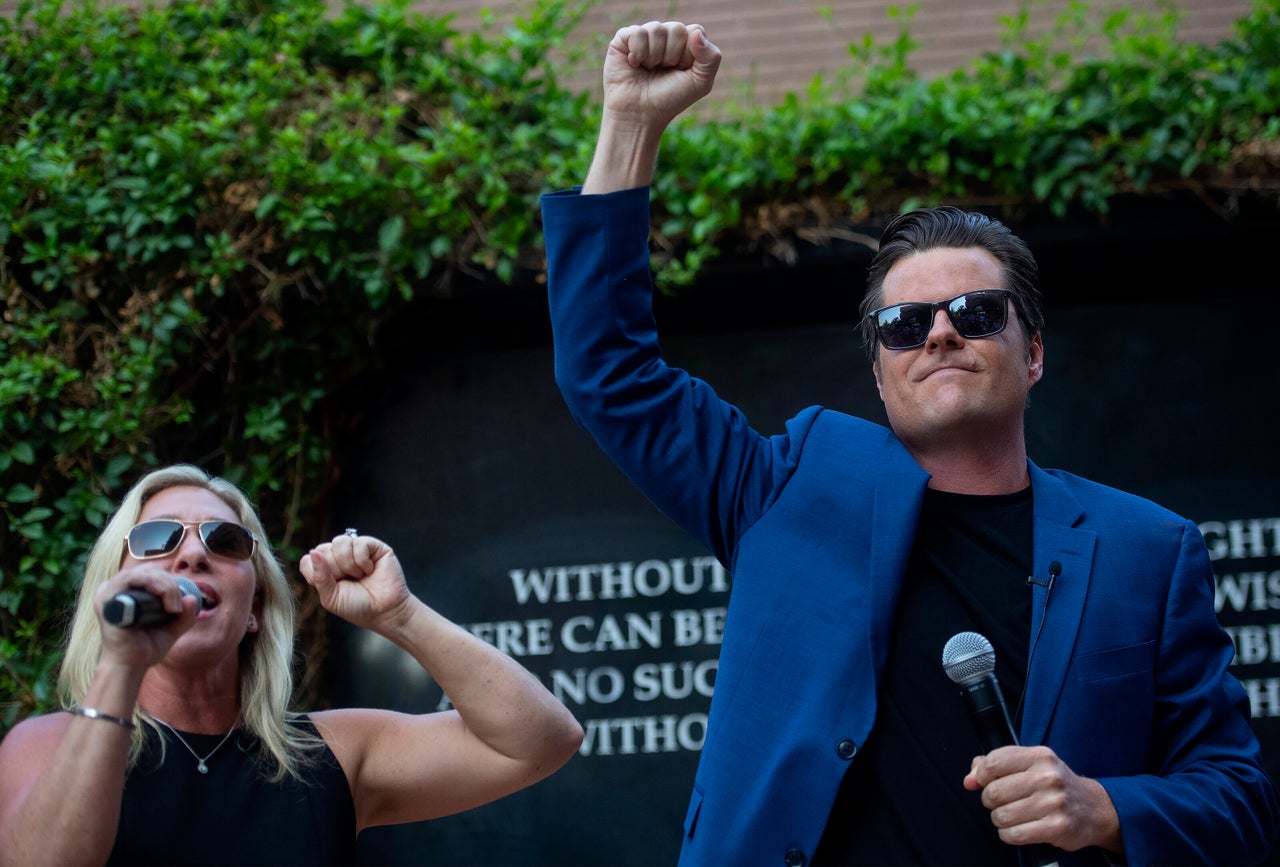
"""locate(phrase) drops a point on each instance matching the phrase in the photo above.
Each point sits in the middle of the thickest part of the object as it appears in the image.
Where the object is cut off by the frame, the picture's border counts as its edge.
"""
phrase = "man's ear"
(875, 371)
(1035, 360)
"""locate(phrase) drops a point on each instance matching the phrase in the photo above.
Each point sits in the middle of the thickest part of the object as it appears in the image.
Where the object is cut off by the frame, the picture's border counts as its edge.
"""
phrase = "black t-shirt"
(173, 814)
(902, 800)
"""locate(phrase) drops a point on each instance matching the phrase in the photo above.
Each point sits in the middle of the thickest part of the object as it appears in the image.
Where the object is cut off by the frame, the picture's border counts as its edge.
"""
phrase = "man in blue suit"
(857, 551)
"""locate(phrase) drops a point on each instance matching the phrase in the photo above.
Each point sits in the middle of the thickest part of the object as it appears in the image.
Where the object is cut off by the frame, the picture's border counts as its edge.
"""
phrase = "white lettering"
(698, 627)
(1252, 591)
(584, 583)
(653, 578)
(585, 634)
(600, 685)
(674, 679)
(532, 583)
(616, 581)
(648, 734)
(660, 734)
(1264, 696)
(515, 637)
(1255, 644)
(1242, 539)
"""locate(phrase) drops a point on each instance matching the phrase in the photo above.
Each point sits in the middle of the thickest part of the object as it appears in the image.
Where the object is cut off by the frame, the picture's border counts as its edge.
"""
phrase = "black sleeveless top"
(172, 814)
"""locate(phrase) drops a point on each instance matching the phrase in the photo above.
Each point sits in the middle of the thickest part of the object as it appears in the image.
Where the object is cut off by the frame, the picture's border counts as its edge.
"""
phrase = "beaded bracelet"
(92, 713)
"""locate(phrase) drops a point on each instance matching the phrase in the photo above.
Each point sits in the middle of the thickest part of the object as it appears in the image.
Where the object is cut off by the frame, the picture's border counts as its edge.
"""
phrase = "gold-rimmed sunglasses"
(159, 538)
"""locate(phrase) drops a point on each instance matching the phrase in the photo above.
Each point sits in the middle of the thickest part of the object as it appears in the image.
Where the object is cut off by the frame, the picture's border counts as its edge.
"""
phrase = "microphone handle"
(989, 714)
(137, 609)
(134, 609)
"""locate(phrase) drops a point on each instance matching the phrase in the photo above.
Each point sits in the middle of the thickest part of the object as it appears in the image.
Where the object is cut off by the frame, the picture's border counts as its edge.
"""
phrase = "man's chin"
(941, 420)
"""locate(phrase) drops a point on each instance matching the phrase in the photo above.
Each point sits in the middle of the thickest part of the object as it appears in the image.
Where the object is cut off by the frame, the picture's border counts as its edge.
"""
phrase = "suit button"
(846, 749)
(794, 858)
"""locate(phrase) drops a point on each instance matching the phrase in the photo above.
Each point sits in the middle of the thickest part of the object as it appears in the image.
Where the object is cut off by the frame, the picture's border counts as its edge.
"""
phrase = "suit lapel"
(1057, 610)
(899, 495)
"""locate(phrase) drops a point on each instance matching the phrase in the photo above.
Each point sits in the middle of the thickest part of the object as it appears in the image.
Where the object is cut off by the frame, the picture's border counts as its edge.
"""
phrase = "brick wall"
(774, 47)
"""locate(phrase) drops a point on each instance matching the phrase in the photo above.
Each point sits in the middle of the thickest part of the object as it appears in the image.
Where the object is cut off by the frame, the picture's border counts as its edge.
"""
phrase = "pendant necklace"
(201, 765)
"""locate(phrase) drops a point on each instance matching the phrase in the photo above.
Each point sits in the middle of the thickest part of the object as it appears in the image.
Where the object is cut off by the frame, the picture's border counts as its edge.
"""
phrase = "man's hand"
(652, 72)
(1035, 798)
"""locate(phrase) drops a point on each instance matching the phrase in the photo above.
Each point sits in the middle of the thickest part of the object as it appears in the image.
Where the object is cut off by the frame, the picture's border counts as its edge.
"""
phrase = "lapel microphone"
(1055, 569)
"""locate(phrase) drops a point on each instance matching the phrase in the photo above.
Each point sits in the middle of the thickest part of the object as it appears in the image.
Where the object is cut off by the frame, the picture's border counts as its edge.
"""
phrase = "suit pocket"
(1103, 723)
(1117, 662)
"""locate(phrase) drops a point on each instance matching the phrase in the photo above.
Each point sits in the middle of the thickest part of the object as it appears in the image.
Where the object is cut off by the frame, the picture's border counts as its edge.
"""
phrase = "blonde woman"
(177, 745)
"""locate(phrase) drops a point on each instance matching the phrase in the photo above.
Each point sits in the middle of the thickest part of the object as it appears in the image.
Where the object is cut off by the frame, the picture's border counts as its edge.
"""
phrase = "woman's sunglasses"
(152, 539)
(980, 313)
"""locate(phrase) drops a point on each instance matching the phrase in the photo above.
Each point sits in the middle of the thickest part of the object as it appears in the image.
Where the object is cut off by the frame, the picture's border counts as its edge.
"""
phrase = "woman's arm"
(62, 775)
(506, 731)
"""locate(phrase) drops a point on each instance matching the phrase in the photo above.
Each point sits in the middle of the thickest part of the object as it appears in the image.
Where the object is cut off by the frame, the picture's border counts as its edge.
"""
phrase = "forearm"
(625, 157)
(500, 702)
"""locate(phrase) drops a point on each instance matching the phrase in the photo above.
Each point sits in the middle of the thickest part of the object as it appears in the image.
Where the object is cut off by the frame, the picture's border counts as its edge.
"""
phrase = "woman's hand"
(359, 579)
(144, 646)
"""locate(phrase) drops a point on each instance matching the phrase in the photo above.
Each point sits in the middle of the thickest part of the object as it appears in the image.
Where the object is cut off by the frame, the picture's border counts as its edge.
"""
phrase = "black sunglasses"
(152, 539)
(980, 313)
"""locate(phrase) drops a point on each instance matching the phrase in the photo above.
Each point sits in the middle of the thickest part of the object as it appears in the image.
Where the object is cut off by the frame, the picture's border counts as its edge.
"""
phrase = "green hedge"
(210, 208)
(1041, 123)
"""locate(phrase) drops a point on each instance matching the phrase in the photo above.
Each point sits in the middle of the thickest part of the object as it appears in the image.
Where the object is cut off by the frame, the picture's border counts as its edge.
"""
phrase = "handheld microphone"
(970, 661)
(132, 609)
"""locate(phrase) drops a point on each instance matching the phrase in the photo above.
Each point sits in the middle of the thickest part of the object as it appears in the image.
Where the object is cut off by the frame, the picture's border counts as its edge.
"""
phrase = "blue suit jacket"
(1128, 681)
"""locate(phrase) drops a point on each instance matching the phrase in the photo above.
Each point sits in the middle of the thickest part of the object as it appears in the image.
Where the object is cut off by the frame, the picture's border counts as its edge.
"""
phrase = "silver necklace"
(201, 765)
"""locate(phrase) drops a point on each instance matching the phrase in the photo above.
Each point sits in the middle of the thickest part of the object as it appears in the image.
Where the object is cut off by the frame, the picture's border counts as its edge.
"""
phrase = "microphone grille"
(967, 657)
(189, 588)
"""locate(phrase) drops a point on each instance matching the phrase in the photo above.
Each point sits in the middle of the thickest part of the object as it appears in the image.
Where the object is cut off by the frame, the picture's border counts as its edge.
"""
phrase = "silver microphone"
(970, 661)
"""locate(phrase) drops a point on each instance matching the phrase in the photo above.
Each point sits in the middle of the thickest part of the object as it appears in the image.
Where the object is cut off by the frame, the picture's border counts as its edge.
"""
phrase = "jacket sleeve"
(693, 455)
(1210, 800)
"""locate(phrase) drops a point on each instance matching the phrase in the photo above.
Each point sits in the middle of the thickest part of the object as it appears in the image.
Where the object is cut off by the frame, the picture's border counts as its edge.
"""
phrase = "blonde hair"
(266, 657)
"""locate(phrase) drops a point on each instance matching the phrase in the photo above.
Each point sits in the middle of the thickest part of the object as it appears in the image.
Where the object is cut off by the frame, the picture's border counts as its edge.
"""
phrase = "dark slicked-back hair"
(930, 228)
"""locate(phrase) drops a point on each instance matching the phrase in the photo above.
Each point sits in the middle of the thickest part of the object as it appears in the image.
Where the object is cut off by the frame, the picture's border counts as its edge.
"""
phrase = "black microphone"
(970, 661)
(137, 608)
(1055, 569)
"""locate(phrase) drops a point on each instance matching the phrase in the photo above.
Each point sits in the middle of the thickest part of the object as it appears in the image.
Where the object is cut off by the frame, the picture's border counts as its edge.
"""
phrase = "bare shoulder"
(38, 733)
(27, 748)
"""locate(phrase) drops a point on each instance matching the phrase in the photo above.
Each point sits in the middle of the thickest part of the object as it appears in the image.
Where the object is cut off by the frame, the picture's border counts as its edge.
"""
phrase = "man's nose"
(942, 331)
